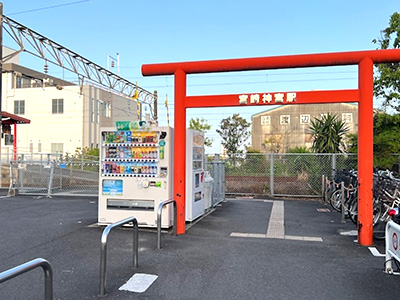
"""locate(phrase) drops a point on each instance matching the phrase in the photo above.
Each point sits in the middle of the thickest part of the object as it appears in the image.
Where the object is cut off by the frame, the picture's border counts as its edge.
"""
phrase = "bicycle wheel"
(336, 200)
(377, 211)
(353, 210)
(379, 230)
(331, 190)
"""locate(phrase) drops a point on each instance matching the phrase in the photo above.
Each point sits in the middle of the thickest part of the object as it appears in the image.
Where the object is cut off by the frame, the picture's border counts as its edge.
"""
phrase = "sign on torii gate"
(363, 95)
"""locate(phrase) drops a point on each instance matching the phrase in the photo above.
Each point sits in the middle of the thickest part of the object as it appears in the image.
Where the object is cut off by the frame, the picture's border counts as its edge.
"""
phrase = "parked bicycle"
(342, 194)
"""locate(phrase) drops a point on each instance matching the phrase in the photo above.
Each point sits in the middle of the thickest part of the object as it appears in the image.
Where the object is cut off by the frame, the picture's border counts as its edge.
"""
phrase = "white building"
(64, 116)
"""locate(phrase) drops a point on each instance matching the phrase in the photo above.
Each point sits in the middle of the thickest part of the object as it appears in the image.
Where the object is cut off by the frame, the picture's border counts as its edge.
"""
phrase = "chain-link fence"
(277, 174)
(283, 174)
(51, 176)
(216, 167)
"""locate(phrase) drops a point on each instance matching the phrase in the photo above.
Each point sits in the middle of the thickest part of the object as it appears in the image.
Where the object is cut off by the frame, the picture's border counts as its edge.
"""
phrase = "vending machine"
(136, 173)
(195, 204)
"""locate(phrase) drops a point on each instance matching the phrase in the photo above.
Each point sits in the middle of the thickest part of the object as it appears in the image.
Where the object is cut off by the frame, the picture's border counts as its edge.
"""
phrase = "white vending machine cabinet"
(136, 174)
(195, 204)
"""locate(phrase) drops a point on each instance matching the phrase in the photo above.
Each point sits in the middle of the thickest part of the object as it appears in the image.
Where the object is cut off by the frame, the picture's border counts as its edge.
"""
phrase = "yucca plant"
(328, 134)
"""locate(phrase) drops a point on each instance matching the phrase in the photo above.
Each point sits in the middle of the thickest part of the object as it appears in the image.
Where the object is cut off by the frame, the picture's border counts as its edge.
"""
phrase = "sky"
(156, 31)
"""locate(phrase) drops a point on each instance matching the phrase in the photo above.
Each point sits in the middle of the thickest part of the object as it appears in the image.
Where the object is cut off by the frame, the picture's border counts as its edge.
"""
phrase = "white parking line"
(375, 252)
(286, 237)
(276, 227)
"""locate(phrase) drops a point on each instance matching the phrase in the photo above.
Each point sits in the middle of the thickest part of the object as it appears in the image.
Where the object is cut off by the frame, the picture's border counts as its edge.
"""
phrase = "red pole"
(273, 62)
(365, 152)
(15, 142)
(180, 148)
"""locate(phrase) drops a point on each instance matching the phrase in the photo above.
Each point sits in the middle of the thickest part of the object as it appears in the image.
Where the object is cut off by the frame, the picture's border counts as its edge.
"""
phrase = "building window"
(57, 148)
(19, 107)
(305, 119)
(92, 110)
(347, 117)
(285, 119)
(107, 110)
(97, 112)
(18, 82)
(57, 106)
(265, 120)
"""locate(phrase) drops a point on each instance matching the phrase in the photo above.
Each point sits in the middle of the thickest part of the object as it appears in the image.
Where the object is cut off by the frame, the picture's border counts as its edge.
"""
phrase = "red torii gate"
(364, 96)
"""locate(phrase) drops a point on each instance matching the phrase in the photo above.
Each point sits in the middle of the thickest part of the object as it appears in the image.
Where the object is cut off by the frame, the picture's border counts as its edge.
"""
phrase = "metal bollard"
(159, 214)
(103, 254)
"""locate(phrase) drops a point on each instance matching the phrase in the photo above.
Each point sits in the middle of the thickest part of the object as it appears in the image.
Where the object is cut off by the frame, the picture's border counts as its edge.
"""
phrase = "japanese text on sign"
(270, 98)
(305, 119)
(285, 119)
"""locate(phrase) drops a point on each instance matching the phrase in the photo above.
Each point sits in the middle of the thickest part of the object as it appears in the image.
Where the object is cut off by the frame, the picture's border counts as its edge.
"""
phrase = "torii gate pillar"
(180, 148)
(365, 151)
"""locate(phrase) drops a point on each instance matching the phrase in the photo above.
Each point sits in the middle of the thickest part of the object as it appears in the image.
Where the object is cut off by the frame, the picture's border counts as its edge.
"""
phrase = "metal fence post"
(271, 176)
(50, 183)
(323, 188)
(333, 165)
(342, 206)
(21, 173)
(326, 191)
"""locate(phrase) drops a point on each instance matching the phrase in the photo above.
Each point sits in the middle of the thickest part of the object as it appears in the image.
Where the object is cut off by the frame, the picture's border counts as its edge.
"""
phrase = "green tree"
(202, 126)
(299, 149)
(274, 143)
(352, 143)
(386, 140)
(328, 134)
(234, 132)
(387, 79)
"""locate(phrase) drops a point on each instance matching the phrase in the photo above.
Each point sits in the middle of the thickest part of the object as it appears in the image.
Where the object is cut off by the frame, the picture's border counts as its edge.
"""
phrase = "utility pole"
(111, 62)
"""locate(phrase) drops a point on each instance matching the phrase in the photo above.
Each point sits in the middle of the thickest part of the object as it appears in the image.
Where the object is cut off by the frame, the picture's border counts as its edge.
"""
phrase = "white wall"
(74, 127)
(46, 127)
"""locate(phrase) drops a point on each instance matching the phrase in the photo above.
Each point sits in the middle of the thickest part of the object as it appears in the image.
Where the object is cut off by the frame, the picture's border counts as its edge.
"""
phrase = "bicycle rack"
(103, 254)
(159, 213)
(30, 265)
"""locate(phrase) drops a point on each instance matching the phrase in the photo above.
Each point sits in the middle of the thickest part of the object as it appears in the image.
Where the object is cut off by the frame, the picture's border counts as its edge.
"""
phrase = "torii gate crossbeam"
(365, 61)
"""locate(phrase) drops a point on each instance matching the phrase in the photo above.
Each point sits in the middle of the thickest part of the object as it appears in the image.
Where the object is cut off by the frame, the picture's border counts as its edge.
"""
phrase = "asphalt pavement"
(243, 249)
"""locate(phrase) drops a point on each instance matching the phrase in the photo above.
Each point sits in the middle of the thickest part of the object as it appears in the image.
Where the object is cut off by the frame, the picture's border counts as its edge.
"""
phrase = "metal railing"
(159, 214)
(103, 254)
(30, 265)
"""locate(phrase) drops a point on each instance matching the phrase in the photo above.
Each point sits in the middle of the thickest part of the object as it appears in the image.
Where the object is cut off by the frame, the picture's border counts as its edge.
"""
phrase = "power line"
(259, 82)
(48, 7)
(254, 75)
